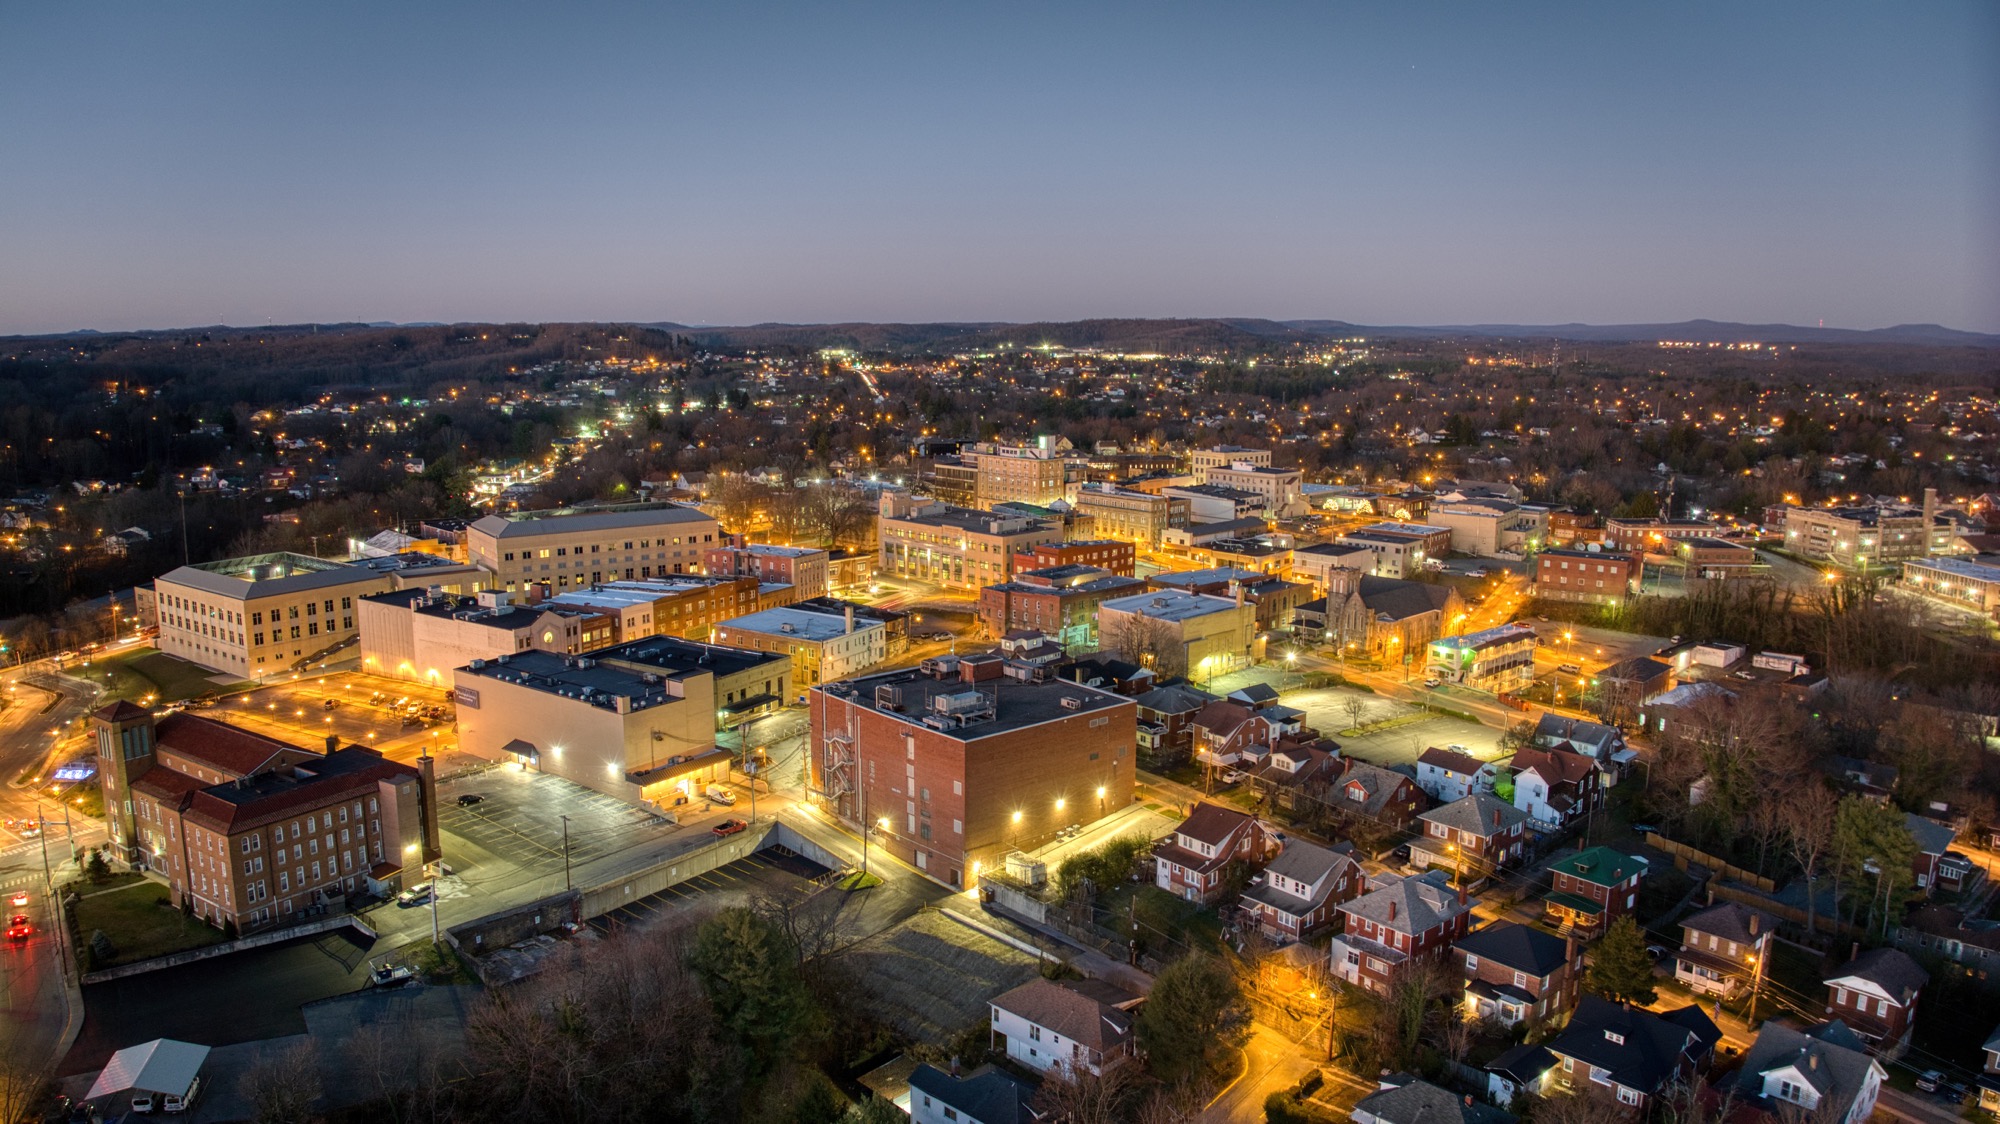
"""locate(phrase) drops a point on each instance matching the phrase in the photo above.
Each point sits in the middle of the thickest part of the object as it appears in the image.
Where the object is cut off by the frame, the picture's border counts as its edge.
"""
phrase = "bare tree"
(1081, 1097)
(1589, 1105)
(1355, 706)
(1808, 816)
(1147, 642)
(21, 1088)
(282, 1086)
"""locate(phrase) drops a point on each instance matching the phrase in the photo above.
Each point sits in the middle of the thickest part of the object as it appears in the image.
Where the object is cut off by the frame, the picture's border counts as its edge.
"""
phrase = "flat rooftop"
(564, 521)
(1183, 579)
(1405, 529)
(1959, 567)
(1170, 605)
(638, 670)
(1008, 704)
(508, 617)
(968, 520)
(1486, 638)
(276, 575)
(803, 624)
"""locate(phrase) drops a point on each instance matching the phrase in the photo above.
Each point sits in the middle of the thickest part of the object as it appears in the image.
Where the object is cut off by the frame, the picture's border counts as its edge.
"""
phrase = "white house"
(1076, 1025)
(1825, 1072)
(1448, 775)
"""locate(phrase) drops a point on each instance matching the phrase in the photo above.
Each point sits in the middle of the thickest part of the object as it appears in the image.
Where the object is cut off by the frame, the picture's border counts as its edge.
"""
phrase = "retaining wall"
(604, 897)
(259, 940)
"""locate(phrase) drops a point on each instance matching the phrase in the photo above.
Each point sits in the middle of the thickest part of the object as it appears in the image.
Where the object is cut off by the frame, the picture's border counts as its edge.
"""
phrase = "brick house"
(1446, 775)
(1876, 994)
(1554, 786)
(250, 831)
(1721, 949)
(1631, 1053)
(1472, 837)
(1591, 889)
(1933, 843)
(1192, 862)
(1516, 973)
(1404, 921)
(1295, 775)
(1226, 730)
(1378, 795)
(1166, 722)
(1298, 891)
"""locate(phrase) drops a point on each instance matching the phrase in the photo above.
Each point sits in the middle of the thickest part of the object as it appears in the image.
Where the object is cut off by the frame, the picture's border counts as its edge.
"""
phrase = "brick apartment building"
(1590, 576)
(1105, 554)
(1061, 601)
(803, 568)
(250, 831)
(1592, 888)
(952, 764)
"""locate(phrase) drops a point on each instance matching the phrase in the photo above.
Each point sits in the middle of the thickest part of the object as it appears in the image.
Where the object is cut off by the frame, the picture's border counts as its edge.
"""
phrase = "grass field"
(138, 925)
(139, 672)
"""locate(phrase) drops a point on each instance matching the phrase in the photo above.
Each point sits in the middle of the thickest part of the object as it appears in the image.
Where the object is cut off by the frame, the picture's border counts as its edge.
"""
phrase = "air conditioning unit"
(1072, 702)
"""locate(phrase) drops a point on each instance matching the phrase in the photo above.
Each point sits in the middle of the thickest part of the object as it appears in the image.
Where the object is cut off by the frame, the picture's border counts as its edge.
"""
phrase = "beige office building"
(576, 549)
(1279, 487)
(822, 646)
(420, 635)
(271, 614)
(952, 546)
(1203, 461)
(1177, 633)
(1034, 474)
(1139, 518)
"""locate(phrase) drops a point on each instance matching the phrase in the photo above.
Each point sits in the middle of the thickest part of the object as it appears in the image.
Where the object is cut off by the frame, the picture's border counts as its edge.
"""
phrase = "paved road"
(1271, 1062)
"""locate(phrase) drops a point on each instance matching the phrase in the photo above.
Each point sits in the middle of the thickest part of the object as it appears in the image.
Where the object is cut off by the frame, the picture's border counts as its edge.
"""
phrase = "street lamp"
(1100, 802)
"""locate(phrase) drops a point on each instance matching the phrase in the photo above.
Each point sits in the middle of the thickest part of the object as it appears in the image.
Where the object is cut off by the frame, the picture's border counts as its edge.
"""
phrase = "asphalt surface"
(764, 873)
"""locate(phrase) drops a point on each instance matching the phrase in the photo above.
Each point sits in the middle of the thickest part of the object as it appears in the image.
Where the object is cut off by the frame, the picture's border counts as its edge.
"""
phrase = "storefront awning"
(753, 703)
(519, 748)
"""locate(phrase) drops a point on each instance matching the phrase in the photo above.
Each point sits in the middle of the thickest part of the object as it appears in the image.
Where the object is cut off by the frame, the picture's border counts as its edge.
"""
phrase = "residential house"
(984, 1096)
(1297, 775)
(1516, 973)
(1166, 722)
(1933, 842)
(1225, 730)
(1876, 994)
(1377, 795)
(1521, 1071)
(1591, 889)
(1823, 1074)
(1077, 1026)
(1989, 1077)
(1298, 891)
(1446, 775)
(1191, 863)
(1722, 949)
(1631, 1053)
(1946, 932)
(1404, 1099)
(1405, 920)
(1472, 837)
(1554, 786)
(1595, 740)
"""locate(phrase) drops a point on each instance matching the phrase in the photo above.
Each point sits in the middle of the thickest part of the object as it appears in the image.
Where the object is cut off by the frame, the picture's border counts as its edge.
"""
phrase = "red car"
(18, 929)
(729, 827)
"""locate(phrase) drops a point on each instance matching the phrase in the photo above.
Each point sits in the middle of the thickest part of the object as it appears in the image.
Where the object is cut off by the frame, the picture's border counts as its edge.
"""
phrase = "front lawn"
(137, 673)
(138, 922)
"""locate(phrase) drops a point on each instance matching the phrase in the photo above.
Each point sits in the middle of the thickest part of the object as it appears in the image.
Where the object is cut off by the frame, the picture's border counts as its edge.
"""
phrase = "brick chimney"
(1392, 910)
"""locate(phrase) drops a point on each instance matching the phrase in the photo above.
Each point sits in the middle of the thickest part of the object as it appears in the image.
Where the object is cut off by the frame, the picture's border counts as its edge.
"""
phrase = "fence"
(1823, 925)
(272, 936)
(1684, 854)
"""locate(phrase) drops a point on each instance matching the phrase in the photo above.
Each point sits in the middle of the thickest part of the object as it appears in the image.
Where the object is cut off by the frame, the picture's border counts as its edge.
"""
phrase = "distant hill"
(1694, 331)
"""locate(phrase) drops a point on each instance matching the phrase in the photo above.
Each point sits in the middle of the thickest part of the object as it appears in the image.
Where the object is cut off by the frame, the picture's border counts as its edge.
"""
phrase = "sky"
(168, 165)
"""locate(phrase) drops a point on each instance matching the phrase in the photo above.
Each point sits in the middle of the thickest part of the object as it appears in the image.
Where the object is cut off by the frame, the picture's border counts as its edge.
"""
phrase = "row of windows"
(578, 550)
(311, 627)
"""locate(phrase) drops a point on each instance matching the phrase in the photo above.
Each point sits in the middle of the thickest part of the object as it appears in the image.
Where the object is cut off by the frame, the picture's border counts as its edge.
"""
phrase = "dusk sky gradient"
(1410, 163)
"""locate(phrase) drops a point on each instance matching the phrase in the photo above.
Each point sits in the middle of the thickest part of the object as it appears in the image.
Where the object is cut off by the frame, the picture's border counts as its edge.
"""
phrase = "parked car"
(390, 975)
(1400, 853)
(19, 899)
(720, 795)
(467, 800)
(1569, 669)
(1480, 573)
(1657, 951)
(729, 827)
(419, 894)
(180, 1102)
(143, 1103)
(1929, 1080)
(1433, 683)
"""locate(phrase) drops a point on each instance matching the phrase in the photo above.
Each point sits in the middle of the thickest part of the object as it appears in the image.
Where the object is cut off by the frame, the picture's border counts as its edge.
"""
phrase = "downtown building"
(1060, 601)
(823, 646)
(1201, 462)
(420, 635)
(248, 831)
(803, 568)
(952, 765)
(1870, 534)
(1140, 518)
(570, 549)
(953, 546)
(1034, 474)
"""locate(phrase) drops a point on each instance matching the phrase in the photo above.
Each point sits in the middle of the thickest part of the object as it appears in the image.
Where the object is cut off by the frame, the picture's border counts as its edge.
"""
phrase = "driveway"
(1272, 1062)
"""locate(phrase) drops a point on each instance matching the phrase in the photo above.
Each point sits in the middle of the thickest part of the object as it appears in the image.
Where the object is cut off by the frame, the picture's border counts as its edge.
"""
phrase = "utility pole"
(566, 881)
(435, 879)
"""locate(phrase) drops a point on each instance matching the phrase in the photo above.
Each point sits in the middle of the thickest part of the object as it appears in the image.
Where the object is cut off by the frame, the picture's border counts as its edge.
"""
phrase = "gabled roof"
(1396, 600)
(1933, 838)
(1731, 922)
(1481, 813)
(989, 1095)
(163, 1065)
(1642, 669)
(1174, 698)
(1411, 905)
(1255, 694)
(1420, 1102)
(1450, 762)
(1212, 823)
(1890, 969)
(1080, 1018)
(1224, 717)
(1307, 862)
(1835, 1071)
(1558, 727)
(1642, 1050)
(1556, 766)
(1511, 944)
(230, 749)
(1523, 1063)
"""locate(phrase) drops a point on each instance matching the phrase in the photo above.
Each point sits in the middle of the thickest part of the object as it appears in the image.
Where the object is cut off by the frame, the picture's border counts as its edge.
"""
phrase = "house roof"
(1174, 698)
(1600, 866)
(1523, 1063)
(1411, 905)
(1639, 1048)
(1481, 813)
(1420, 1102)
(1088, 1021)
(1256, 694)
(988, 1095)
(1212, 823)
(1731, 922)
(1511, 944)
(1307, 862)
(1224, 717)
(230, 749)
(1556, 766)
(1642, 669)
(1835, 1071)
(1890, 969)
(1933, 838)
(1397, 600)
(1561, 728)
(1450, 761)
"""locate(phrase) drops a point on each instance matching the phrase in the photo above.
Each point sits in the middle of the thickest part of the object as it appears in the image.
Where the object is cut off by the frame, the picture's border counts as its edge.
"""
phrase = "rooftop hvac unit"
(1072, 702)
(889, 696)
(958, 702)
(938, 722)
(477, 665)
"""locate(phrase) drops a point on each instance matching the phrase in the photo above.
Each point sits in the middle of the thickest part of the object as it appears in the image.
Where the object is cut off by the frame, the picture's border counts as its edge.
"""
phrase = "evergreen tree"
(1619, 966)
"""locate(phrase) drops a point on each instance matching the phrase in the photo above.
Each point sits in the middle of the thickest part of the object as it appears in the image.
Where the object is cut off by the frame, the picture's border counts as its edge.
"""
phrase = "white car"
(143, 1104)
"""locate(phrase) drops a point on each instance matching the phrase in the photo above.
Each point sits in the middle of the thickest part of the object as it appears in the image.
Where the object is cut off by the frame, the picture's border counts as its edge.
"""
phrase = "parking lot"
(766, 872)
(366, 710)
(518, 820)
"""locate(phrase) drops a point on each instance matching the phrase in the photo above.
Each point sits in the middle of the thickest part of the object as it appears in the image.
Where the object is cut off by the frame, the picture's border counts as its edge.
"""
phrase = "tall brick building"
(953, 764)
(250, 831)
